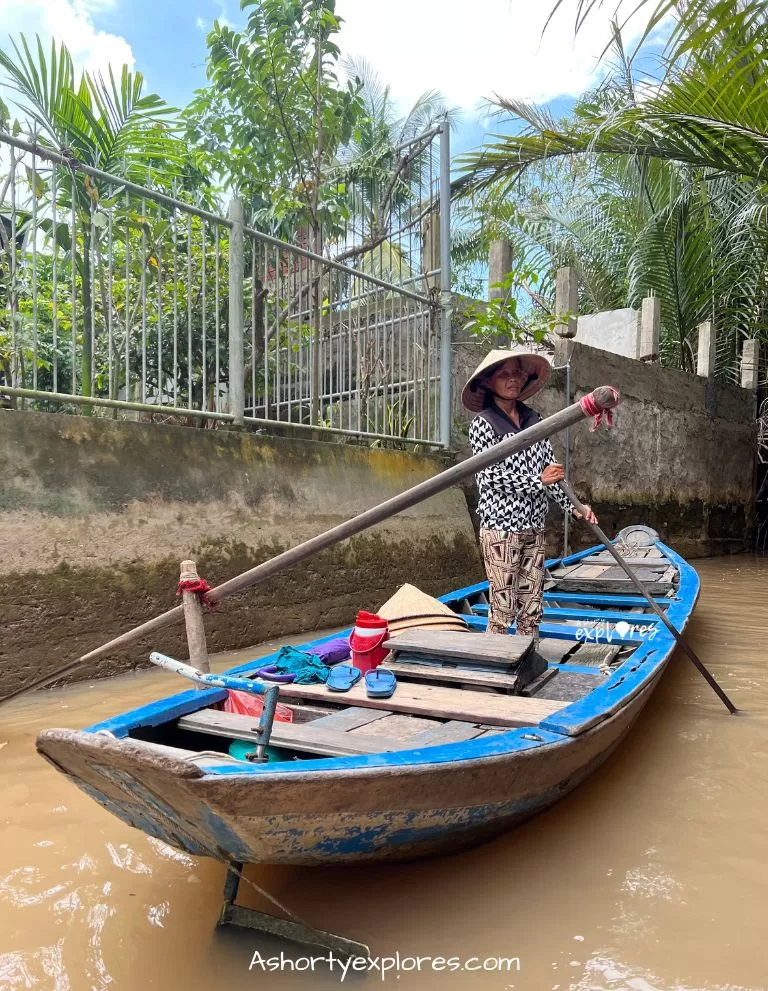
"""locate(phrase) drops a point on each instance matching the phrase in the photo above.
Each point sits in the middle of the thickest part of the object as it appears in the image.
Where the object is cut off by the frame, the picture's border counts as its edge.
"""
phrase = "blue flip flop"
(380, 683)
(342, 677)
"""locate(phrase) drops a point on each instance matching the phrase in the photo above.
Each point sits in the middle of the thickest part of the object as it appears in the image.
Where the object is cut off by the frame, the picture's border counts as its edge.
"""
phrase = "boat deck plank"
(571, 685)
(349, 719)
(500, 649)
(397, 726)
(446, 703)
(594, 654)
(464, 676)
(554, 651)
(454, 731)
(304, 736)
(611, 585)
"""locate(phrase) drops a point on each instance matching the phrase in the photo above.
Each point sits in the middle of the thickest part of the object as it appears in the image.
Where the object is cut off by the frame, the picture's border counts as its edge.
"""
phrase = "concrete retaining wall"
(96, 514)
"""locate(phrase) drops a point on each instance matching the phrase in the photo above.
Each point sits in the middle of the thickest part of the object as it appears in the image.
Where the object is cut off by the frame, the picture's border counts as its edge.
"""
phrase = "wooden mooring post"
(193, 620)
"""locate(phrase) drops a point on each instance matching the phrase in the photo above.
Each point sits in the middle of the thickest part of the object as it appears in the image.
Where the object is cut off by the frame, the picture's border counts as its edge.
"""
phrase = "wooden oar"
(603, 398)
(568, 489)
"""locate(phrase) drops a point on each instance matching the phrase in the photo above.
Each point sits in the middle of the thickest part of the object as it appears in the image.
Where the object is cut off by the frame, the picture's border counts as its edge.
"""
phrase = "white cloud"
(70, 21)
(201, 25)
(471, 51)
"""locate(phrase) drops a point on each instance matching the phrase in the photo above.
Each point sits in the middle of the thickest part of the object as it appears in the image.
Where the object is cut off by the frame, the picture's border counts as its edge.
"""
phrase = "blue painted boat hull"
(390, 806)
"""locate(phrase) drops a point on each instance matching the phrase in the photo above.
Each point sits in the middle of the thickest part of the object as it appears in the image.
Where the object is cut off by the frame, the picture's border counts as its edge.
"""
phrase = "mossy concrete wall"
(681, 457)
(96, 515)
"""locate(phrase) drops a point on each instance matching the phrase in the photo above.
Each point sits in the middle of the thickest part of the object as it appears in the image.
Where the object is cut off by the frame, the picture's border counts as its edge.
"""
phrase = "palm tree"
(687, 159)
(109, 124)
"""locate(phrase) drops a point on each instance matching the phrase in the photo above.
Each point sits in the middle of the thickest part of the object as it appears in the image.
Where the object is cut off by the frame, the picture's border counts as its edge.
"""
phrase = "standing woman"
(513, 502)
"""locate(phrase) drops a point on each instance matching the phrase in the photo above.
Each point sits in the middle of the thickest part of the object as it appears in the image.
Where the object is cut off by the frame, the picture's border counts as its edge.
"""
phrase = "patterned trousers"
(514, 563)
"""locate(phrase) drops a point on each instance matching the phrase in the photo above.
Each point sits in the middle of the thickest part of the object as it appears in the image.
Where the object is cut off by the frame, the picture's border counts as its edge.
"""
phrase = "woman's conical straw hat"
(473, 395)
(396, 624)
(409, 602)
(425, 624)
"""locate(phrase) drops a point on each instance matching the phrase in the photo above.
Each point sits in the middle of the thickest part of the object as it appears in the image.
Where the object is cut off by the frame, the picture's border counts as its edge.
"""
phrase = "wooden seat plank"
(302, 737)
(494, 648)
(445, 703)
(400, 727)
(349, 719)
(464, 676)
(593, 655)
(612, 585)
(553, 651)
(454, 731)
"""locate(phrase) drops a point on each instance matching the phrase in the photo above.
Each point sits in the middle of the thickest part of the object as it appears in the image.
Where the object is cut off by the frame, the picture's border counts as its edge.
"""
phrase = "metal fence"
(119, 297)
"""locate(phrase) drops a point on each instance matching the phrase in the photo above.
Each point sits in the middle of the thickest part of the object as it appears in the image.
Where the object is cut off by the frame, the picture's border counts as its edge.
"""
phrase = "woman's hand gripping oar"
(581, 508)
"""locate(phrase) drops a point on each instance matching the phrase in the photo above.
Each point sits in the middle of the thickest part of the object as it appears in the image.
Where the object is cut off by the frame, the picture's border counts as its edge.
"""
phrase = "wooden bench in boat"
(302, 736)
(439, 702)
(657, 576)
(500, 661)
(360, 736)
(441, 672)
(495, 650)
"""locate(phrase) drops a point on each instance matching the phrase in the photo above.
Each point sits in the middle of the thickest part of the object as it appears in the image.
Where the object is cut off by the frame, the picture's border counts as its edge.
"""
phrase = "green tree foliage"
(275, 113)
(109, 124)
(667, 180)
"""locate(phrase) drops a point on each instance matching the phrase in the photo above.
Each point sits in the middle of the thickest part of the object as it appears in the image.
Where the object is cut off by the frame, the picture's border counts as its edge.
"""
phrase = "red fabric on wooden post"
(199, 585)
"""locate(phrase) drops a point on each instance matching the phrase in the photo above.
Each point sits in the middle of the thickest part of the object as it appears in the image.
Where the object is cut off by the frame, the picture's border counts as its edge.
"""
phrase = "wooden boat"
(450, 760)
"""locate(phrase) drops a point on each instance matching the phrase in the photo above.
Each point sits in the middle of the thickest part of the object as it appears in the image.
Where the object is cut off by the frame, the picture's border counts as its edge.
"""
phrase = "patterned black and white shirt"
(512, 496)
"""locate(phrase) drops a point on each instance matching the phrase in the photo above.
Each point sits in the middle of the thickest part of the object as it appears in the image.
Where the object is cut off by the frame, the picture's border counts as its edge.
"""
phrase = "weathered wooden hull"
(394, 806)
(379, 814)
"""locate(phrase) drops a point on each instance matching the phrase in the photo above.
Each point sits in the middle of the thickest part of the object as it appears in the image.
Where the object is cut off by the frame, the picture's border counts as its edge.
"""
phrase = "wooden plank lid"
(492, 648)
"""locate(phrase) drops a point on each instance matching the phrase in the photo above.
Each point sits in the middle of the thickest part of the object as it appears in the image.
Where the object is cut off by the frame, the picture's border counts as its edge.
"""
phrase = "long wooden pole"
(603, 398)
(611, 548)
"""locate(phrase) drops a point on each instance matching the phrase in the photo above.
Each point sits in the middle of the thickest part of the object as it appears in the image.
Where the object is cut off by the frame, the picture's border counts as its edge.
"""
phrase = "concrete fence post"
(236, 277)
(499, 266)
(650, 324)
(750, 364)
(567, 301)
(705, 362)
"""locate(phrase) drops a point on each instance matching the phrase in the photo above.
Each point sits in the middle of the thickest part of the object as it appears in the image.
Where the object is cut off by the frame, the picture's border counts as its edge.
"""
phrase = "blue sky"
(414, 45)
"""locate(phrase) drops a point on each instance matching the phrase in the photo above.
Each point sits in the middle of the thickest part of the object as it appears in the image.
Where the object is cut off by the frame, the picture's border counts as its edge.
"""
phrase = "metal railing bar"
(74, 166)
(338, 266)
(62, 397)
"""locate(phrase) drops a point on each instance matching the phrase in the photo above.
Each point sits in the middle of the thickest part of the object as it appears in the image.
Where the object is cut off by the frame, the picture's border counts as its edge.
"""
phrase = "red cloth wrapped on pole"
(601, 415)
(199, 585)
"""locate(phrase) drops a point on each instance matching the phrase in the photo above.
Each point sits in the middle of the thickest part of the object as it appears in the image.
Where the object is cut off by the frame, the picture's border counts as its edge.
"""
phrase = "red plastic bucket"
(366, 641)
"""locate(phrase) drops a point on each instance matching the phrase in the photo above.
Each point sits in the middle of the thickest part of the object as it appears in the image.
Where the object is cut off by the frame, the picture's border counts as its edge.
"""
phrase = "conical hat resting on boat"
(426, 623)
(409, 602)
(454, 620)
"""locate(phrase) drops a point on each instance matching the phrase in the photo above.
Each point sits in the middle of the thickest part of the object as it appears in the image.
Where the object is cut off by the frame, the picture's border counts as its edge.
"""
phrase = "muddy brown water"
(653, 876)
